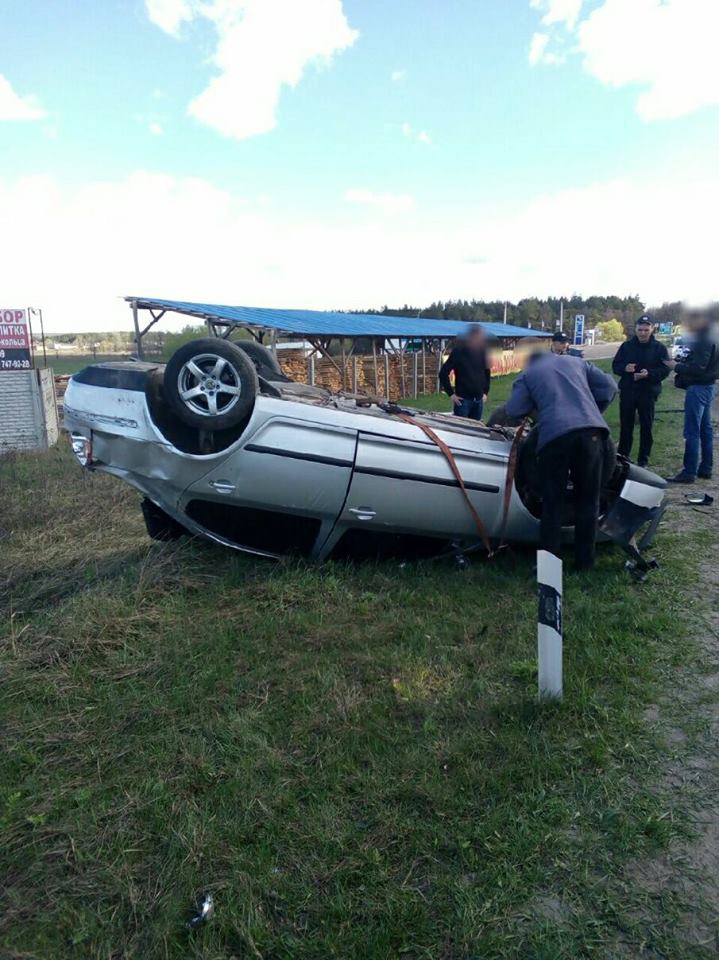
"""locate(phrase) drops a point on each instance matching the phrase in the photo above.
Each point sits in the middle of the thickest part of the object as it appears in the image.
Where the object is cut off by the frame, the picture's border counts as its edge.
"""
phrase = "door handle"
(222, 486)
(363, 513)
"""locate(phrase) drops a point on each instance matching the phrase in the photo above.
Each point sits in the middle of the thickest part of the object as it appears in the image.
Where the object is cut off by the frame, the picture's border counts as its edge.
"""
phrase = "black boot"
(682, 477)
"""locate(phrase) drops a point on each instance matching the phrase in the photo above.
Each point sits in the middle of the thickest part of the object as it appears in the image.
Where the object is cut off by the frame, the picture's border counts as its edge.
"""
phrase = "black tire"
(259, 355)
(159, 525)
(210, 384)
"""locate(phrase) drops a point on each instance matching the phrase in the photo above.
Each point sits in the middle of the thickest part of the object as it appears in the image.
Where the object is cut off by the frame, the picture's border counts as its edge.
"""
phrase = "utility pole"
(37, 311)
(138, 335)
(561, 316)
(505, 311)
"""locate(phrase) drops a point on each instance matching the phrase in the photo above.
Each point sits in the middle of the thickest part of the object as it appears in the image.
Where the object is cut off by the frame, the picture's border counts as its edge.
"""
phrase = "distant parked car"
(680, 348)
(220, 444)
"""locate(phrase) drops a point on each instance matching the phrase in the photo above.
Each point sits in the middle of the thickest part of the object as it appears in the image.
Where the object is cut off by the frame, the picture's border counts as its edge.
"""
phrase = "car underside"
(231, 450)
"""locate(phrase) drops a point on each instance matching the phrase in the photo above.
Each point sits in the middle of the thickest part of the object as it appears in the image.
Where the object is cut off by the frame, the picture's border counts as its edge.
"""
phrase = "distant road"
(600, 351)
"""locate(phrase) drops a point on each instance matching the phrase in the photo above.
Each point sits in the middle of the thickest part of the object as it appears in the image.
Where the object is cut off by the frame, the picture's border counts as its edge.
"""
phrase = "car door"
(281, 491)
(409, 487)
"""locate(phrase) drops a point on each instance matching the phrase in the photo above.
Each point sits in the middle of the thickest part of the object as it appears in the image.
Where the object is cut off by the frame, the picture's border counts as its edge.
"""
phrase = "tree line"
(532, 312)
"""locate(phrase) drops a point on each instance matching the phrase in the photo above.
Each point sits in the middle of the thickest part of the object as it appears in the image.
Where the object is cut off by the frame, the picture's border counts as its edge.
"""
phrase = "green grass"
(64, 365)
(351, 758)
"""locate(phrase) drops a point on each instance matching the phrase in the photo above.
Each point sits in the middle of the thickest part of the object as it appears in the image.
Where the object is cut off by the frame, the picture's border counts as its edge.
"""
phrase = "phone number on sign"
(14, 364)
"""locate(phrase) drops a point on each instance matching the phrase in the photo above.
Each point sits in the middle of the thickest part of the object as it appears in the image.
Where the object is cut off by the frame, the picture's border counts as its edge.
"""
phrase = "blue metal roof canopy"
(319, 323)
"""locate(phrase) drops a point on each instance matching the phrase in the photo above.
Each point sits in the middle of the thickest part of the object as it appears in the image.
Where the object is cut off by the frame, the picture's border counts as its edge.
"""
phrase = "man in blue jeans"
(468, 362)
(697, 374)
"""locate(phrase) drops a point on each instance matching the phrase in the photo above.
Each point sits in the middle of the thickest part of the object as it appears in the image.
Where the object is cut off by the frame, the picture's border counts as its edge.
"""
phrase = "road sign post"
(549, 626)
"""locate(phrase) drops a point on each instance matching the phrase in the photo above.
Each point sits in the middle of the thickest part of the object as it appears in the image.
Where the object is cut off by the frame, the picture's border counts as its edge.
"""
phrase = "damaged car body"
(222, 445)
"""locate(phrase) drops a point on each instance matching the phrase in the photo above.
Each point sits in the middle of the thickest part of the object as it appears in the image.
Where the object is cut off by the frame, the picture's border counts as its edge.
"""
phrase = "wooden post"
(424, 367)
(138, 338)
(354, 374)
(311, 371)
(376, 374)
(439, 366)
(415, 374)
(386, 374)
(403, 386)
(344, 363)
(549, 626)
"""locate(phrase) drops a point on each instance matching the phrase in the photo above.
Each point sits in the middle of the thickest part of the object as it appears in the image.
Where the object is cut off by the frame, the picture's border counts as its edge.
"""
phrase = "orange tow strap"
(449, 457)
(511, 471)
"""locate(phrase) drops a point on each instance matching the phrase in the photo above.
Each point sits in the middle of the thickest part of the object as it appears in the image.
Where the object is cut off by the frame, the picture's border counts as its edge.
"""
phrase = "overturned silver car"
(222, 445)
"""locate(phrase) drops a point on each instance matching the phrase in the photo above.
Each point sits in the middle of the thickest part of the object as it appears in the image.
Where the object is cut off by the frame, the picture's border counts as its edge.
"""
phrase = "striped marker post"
(549, 626)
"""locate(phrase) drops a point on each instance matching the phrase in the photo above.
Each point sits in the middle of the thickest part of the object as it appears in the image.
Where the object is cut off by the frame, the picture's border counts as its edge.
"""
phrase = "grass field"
(64, 365)
(351, 758)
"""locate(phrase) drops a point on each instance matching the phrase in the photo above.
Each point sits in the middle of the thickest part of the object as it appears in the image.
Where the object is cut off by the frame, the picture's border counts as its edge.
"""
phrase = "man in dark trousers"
(468, 362)
(698, 374)
(640, 365)
(568, 396)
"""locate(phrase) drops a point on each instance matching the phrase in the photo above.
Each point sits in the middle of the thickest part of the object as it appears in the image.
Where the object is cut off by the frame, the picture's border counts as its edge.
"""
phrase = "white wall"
(28, 411)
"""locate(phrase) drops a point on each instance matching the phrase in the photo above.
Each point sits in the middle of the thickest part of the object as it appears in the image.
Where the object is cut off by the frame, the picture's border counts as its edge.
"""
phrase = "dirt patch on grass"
(688, 719)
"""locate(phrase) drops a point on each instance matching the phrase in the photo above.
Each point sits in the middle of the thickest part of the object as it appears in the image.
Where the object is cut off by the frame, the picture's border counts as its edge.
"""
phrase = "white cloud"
(421, 136)
(386, 202)
(586, 246)
(538, 52)
(565, 12)
(75, 250)
(262, 47)
(169, 15)
(156, 129)
(15, 107)
(398, 75)
(537, 47)
(667, 48)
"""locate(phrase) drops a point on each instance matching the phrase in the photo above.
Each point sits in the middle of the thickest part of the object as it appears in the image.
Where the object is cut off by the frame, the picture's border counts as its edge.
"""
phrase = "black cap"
(560, 337)
(645, 319)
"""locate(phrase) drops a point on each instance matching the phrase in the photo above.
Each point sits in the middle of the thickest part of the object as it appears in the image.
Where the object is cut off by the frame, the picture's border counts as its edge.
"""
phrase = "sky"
(346, 154)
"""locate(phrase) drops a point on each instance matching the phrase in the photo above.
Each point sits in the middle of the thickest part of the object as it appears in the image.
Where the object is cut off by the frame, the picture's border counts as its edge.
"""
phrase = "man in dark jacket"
(559, 344)
(639, 364)
(468, 362)
(568, 396)
(697, 374)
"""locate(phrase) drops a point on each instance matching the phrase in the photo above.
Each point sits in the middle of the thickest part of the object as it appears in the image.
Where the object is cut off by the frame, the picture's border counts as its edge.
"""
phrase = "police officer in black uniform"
(639, 364)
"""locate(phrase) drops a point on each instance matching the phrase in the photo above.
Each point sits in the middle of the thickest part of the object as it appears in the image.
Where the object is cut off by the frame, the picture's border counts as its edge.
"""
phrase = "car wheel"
(259, 355)
(159, 525)
(210, 384)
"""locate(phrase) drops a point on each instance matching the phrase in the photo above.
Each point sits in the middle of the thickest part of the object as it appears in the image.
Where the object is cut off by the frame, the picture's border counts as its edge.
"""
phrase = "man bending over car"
(568, 396)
